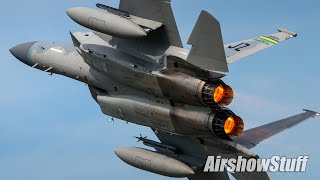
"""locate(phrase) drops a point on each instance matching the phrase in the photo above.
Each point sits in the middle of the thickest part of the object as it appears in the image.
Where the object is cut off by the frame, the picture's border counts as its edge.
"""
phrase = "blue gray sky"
(50, 128)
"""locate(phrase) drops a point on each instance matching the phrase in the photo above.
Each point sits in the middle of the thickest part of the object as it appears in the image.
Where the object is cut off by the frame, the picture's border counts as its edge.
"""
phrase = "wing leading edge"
(253, 137)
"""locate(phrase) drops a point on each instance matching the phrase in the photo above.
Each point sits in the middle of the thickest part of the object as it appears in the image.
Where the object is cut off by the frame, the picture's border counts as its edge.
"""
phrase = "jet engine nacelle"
(185, 88)
(222, 123)
(226, 124)
(153, 162)
(106, 23)
(178, 119)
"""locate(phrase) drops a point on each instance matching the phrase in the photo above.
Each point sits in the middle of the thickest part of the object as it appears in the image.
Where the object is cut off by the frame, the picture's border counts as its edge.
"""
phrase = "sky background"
(51, 128)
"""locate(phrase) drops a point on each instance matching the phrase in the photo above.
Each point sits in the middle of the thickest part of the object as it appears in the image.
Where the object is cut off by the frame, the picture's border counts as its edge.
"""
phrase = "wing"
(155, 10)
(250, 175)
(253, 137)
(209, 176)
(193, 153)
(239, 50)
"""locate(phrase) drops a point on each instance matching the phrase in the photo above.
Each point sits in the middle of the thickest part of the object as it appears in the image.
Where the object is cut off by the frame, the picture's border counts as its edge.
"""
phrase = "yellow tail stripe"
(269, 40)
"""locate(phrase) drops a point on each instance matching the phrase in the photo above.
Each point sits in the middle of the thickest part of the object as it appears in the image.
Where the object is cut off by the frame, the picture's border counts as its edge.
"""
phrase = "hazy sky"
(51, 128)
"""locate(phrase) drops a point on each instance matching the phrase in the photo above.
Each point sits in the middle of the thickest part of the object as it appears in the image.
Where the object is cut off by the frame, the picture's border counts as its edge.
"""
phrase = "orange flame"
(229, 125)
(233, 126)
(218, 94)
(223, 95)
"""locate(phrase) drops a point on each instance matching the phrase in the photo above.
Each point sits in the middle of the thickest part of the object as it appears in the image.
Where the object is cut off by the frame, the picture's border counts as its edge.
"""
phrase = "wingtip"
(316, 113)
(293, 34)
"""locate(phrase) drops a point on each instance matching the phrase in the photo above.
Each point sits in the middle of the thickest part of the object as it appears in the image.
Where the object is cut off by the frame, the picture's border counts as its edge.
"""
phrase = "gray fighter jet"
(137, 70)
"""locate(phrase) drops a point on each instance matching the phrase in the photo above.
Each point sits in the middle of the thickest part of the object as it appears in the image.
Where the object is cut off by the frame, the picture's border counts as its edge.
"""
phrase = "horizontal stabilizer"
(241, 49)
(253, 137)
(207, 50)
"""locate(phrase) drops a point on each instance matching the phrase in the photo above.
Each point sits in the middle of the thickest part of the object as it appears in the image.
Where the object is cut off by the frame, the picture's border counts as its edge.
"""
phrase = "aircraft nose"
(21, 52)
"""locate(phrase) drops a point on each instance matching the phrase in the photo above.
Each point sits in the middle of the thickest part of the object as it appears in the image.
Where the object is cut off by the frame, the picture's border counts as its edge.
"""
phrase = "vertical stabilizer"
(207, 45)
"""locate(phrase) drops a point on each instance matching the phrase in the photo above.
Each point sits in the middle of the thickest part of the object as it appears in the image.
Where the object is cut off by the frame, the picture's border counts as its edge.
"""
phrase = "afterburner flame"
(223, 95)
(218, 94)
(233, 126)
(229, 125)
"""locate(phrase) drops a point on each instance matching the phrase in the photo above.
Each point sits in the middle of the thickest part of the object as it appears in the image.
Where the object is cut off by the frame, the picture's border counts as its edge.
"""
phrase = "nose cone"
(21, 52)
